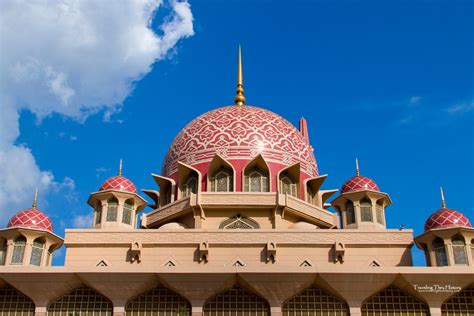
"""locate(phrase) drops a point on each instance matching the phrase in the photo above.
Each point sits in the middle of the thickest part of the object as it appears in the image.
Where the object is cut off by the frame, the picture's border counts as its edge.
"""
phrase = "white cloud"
(461, 108)
(74, 58)
(82, 221)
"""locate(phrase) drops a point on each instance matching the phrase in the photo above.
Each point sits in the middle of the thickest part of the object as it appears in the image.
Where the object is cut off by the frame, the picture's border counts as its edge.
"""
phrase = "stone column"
(355, 311)
(196, 311)
(449, 251)
(9, 251)
(276, 311)
(40, 310)
(119, 311)
(435, 311)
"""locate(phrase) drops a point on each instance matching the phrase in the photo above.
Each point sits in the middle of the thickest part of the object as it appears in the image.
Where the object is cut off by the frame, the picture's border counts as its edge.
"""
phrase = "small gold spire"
(35, 200)
(120, 168)
(357, 167)
(239, 97)
(443, 202)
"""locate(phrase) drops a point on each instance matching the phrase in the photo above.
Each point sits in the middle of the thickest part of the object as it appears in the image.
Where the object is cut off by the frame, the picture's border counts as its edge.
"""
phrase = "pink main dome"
(240, 133)
(359, 183)
(118, 183)
(446, 217)
(31, 218)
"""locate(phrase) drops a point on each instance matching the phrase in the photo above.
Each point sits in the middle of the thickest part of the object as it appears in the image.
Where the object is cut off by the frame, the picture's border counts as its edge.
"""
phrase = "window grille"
(127, 212)
(158, 301)
(350, 215)
(459, 251)
(112, 206)
(236, 302)
(315, 302)
(18, 250)
(310, 197)
(98, 213)
(256, 180)
(190, 186)
(461, 304)
(287, 186)
(365, 211)
(239, 222)
(222, 180)
(37, 252)
(3, 251)
(393, 301)
(83, 301)
(440, 252)
(379, 213)
(14, 303)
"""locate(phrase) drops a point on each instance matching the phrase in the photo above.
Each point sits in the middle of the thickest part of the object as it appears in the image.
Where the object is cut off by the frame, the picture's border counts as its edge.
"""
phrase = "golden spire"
(35, 199)
(239, 97)
(357, 168)
(120, 168)
(443, 202)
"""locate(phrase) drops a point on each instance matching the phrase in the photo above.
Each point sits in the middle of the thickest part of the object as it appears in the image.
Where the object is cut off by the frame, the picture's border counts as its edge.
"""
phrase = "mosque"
(240, 224)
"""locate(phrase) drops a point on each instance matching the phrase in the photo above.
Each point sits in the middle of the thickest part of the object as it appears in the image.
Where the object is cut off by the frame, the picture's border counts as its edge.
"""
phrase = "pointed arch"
(220, 176)
(13, 302)
(289, 180)
(366, 210)
(158, 301)
(236, 301)
(459, 250)
(315, 301)
(460, 304)
(313, 185)
(37, 250)
(19, 246)
(239, 221)
(3, 250)
(393, 301)
(440, 252)
(112, 210)
(256, 176)
(189, 180)
(81, 301)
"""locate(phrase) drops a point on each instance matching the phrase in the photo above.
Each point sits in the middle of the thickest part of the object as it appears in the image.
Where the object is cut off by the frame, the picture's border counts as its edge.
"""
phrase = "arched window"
(393, 301)
(379, 212)
(459, 250)
(82, 301)
(127, 212)
(440, 252)
(222, 180)
(14, 303)
(112, 207)
(310, 196)
(256, 180)
(190, 186)
(365, 210)
(350, 215)
(19, 245)
(287, 184)
(98, 213)
(239, 222)
(37, 252)
(236, 302)
(315, 301)
(460, 304)
(3, 250)
(158, 301)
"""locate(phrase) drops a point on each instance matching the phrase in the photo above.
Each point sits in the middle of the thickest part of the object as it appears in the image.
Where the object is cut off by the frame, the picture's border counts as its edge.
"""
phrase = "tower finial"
(239, 97)
(120, 168)
(35, 200)
(443, 202)
(357, 167)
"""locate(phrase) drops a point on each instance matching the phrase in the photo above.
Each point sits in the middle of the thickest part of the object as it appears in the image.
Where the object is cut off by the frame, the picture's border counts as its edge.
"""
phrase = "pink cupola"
(118, 183)
(446, 218)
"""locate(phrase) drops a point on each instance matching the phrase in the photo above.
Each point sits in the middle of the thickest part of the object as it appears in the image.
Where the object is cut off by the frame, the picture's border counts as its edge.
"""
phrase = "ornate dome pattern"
(240, 132)
(31, 218)
(118, 183)
(359, 183)
(446, 217)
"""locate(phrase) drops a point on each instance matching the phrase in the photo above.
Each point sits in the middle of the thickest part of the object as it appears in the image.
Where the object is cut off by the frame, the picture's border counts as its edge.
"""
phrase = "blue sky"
(389, 82)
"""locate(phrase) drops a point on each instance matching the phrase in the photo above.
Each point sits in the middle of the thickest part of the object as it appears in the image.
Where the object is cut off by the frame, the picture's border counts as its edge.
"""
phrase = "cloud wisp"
(74, 58)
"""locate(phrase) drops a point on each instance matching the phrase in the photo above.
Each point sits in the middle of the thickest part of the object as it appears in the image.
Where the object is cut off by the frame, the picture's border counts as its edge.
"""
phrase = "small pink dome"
(359, 183)
(446, 217)
(118, 183)
(31, 218)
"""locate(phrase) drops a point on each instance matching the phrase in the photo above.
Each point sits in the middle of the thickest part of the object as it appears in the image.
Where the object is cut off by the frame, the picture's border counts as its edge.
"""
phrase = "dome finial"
(443, 202)
(35, 199)
(120, 168)
(239, 97)
(357, 167)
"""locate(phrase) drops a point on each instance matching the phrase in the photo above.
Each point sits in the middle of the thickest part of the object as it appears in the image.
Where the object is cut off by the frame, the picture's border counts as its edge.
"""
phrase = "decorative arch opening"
(15, 303)
(460, 304)
(393, 301)
(366, 210)
(459, 250)
(288, 180)
(236, 302)
(239, 221)
(18, 254)
(82, 301)
(112, 208)
(127, 212)
(98, 213)
(158, 301)
(220, 176)
(256, 176)
(350, 214)
(3, 250)
(189, 186)
(314, 301)
(37, 250)
(440, 252)
(379, 209)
